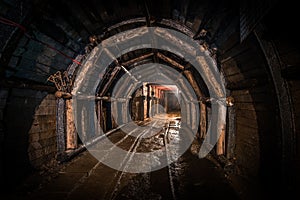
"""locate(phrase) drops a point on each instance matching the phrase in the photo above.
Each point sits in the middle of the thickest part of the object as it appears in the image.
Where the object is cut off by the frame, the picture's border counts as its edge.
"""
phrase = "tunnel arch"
(263, 151)
(107, 52)
(259, 143)
(187, 31)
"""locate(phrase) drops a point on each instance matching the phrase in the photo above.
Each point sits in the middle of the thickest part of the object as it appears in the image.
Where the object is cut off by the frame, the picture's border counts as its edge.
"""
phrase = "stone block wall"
(42, 135)
(28, 136)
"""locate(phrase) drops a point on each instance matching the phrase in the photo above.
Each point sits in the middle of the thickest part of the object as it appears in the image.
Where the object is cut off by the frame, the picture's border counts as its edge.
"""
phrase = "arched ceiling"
(56, 31)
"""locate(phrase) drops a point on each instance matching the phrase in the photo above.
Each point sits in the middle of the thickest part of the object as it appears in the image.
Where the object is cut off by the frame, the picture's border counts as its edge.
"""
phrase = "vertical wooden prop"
(150, 101)
(114, 113)
(221, 142)
(145, 101)
(203, 120)
(71, 134)
(60, 130)
(124, 112)
(188, 112)
(231, 134)
(166, 96)
(138, 109)
(193, 113)
(99, 113)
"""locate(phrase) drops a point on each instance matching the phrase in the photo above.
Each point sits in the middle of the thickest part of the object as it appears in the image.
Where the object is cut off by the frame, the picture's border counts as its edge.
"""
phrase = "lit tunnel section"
(152, 99)
(110, 81)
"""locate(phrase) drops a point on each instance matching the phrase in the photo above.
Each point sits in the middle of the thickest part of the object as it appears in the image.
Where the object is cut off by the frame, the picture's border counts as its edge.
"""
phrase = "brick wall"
(29, 133)
(42, 135)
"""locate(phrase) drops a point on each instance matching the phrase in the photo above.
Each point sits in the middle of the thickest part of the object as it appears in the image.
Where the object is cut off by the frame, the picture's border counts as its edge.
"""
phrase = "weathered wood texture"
(60, 126)
(231, 133)
(71, 134)
(199, 93)
(220, 149)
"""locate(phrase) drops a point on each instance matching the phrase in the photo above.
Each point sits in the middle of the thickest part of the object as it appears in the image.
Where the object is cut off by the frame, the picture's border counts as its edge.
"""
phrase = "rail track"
(162, 129)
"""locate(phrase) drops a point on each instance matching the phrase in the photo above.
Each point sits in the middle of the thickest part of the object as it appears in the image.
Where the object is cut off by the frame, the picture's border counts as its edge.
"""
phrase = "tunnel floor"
(85, 177)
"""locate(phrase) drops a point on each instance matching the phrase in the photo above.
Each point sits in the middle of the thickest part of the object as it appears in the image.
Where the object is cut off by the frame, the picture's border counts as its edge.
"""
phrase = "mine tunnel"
(148, 99)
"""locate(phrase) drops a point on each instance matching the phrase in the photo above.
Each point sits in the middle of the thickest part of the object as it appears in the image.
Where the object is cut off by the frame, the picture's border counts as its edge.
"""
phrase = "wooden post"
(194, 125)
(203, 120)
(158, 100)
(166, 101)
(124, 111)
(145, 101)
(99, 112)
(98, 117)
(231, 120)
(150, 101)
(114, 113)
(138, 109)
(71, 135)
(104, 117)
(221, 142)
(188, 112)
(208, 137)
(83, 125)
(60, 127)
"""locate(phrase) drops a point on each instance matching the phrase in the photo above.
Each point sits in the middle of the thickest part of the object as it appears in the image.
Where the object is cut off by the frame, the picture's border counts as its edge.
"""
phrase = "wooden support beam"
(124, 112)
(194, 123)
(221, 141)
(149, 99)
(104, 119)
(231, 132)
(110, 80)
(71, 134)
(99, 110)
(169, 60)
(60, 128)
(203, 120)
(138, 59)
(203, 117)
(145, 100)
(191, 79)
(115, 111)
(188, 113)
